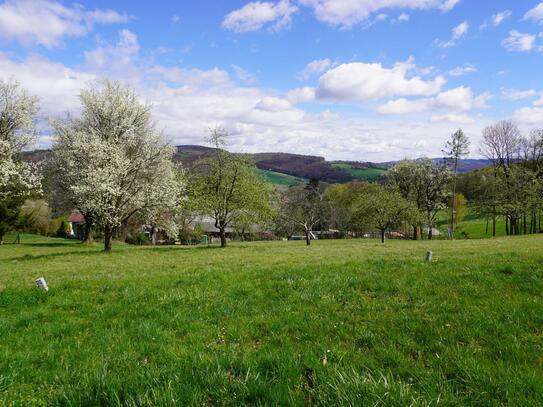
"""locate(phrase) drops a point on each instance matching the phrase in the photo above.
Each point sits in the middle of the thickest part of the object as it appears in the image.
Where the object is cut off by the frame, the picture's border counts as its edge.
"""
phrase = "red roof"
(76, 217)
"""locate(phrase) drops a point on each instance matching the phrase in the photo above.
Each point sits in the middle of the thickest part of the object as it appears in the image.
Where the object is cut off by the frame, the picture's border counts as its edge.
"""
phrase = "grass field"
(349, 322)
(366, 174)
(279, 179)
(472, 226)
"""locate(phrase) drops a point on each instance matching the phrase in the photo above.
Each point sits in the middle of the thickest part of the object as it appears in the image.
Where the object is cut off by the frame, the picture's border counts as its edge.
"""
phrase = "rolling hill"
(285, 169)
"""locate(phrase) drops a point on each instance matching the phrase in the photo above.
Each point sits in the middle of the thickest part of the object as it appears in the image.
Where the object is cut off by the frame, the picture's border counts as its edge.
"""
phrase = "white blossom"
(111, 162)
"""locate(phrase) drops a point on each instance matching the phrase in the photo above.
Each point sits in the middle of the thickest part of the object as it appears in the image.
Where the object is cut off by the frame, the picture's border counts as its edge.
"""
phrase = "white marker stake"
(429, 256)
(42, 284)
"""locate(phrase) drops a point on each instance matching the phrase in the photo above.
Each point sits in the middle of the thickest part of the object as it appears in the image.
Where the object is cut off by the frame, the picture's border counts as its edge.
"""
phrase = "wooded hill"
(288, 169)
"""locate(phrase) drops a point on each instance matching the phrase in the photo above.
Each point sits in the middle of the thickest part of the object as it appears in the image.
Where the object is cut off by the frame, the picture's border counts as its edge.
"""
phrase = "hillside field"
(280, 180)
(365, 174)
(347, 322)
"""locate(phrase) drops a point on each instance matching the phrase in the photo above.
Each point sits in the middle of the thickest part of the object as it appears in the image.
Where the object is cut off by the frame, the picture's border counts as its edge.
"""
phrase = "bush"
(63, 230)
(140, 239)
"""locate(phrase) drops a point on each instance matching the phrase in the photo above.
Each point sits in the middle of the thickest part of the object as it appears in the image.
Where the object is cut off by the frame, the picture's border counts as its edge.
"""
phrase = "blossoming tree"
(18, 179)
(111, 162)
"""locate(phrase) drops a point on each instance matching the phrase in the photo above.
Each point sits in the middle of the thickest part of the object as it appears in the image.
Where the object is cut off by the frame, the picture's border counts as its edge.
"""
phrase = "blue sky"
(346, 79)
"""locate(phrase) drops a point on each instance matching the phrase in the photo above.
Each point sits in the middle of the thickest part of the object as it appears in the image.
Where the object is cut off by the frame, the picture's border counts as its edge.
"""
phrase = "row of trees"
(512, 189)
(112, 164)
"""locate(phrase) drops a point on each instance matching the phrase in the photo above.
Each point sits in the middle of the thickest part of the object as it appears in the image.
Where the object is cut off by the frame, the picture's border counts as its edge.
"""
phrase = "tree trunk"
(153, 235)
(87, 239)
(430, 233)
(494, 225)
(222, 233)
(307, 237)
(382, 236)
(415, 232)
(1, 238)
(507, 226)
(107, 238)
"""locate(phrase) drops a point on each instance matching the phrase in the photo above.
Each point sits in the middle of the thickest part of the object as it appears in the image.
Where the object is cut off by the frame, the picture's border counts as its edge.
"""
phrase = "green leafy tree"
(425, 185)
(456, 148)
(384, 209)
(228, 185)
(303, 207)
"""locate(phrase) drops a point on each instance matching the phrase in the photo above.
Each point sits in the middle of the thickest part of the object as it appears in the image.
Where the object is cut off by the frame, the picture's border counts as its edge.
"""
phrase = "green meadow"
(366, 174)
(347, 322)
(278, 179)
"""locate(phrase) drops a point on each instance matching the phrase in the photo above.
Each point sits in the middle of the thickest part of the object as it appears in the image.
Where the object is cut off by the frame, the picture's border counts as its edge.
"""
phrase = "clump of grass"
(507, 270)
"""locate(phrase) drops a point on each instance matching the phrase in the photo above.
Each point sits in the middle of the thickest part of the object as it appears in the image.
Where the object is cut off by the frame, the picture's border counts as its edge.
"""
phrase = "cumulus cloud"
(347, 13)
(301, 95)
(315, 67)
(529, 115)
(460, 99)
(47, 22)
(187, 101)
(256, 15)
(361, 82)
(535, 14)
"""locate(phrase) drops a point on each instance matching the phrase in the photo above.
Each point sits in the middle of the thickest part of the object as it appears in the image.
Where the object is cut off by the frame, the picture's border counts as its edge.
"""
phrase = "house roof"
(76, 217)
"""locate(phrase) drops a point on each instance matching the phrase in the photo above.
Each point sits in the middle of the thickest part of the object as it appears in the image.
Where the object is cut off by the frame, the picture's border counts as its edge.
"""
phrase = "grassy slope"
(472, 226)
(366, 174)
(341, 322)
(279, 179)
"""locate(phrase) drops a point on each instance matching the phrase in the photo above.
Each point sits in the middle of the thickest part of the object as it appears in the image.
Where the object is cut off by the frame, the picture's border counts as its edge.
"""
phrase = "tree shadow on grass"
(182, 248)
(30, 257)
(59, 244)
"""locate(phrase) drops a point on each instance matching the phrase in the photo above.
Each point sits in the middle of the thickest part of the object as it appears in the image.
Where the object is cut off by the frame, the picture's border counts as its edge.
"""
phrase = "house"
(77, 225)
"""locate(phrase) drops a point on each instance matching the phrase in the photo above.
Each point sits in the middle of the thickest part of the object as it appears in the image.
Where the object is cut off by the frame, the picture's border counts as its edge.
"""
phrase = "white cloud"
(301, 95)
(175, 19)
(460, 99)
(458, 32)
(404, 17)
(56, 85)
(315, 67)
(535, 14)
(462, 70)
(254, 16)
(448, 5)
(243, 75)
(187, 101)
(47, 22)
(347, 13)
(496, 19)
(520, 42)
(361, 82)
(453, 118)
(529, 115)
(513, 94)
